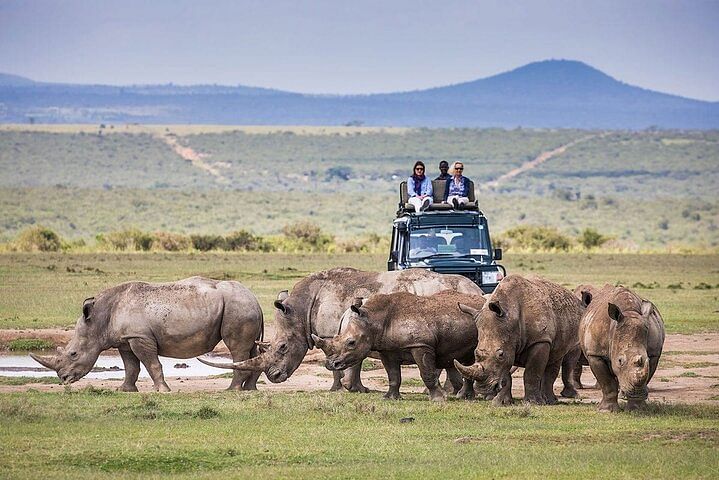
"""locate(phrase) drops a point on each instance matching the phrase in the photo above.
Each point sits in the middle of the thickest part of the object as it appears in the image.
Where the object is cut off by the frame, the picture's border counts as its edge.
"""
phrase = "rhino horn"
(48, 362)
(319, 342)
(255, 364)
(470, 372)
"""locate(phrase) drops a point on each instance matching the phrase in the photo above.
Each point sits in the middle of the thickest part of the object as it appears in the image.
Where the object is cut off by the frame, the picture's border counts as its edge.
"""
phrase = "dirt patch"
(697, 354)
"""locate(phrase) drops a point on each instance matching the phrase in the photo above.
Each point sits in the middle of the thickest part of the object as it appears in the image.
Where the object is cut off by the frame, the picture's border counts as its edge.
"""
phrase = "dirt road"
(688, 373)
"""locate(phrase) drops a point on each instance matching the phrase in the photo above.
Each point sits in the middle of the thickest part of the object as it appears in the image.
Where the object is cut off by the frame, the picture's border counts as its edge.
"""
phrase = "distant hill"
(552, 94)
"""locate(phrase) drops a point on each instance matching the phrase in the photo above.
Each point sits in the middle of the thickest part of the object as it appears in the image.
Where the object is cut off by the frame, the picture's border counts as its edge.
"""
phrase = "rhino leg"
(337, 380)
(504, 395)
(251, 382)
(537, 358)
(425, 360)
(550, 375)
(455, 381)
(146, 352)
(570, 363)
(132, 371)
(393, 366)
(608, 383)
(576, 375)
(467, 390)
(353, 382)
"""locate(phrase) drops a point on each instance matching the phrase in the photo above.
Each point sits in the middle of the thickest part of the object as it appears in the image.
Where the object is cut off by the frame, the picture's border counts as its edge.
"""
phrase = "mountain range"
(546, 94)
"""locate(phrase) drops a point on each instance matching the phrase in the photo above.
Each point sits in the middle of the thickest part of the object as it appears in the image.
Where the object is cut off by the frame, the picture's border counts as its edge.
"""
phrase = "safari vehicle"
(445, 240)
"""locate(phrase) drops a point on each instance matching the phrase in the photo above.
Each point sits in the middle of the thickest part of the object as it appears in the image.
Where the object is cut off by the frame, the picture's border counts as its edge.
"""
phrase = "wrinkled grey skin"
(315, 306)
(180, 319)
(622, 336)
(408, 329)
(527, 322)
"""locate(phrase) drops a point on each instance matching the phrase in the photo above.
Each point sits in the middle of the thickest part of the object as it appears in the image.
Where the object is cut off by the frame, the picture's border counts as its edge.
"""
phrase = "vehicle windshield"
(448, 241)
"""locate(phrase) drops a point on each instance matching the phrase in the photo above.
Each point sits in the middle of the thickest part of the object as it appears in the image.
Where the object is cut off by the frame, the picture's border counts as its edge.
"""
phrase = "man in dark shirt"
(443, 168)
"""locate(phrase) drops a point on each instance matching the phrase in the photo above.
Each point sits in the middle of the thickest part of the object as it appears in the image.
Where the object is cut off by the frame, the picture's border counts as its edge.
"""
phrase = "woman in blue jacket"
(419, 188)
(457, 190)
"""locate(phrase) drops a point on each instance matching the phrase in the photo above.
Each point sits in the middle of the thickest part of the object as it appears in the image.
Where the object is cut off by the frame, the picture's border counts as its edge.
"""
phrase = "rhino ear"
(282, 296)
(615, 313)
(647, 308)
(467, 309)
(87, 308)
(358, 302)
(496, 308)
(360, 311)
(281, 306)
(586, 298)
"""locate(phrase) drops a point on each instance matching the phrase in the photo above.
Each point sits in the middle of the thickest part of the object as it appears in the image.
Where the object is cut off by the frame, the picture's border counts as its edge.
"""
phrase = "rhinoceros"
(315, 306)
(180, 319)
(405, 328)
(622, 336)
(527, 322)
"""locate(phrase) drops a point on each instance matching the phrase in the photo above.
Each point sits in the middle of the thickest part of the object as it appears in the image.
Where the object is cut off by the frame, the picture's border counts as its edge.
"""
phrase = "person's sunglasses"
(419, 169)
(459, 168)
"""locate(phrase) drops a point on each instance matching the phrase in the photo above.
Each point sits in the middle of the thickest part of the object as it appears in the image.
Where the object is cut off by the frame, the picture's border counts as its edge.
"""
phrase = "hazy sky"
(333, 46)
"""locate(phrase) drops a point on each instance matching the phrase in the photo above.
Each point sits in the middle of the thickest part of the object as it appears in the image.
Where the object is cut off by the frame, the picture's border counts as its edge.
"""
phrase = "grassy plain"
(649, 190)
(102, 434)
(43, 290)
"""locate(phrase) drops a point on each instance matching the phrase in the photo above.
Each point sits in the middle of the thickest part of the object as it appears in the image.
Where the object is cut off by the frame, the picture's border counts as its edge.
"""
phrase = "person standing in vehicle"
(457, 190)
(443, 167)
(419, 188)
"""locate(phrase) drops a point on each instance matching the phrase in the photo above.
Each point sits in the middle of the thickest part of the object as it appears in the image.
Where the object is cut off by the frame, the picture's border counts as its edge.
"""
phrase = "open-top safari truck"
(445, 239)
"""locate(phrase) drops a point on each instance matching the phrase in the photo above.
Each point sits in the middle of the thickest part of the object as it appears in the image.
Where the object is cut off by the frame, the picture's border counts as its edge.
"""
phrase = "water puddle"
(106, 367)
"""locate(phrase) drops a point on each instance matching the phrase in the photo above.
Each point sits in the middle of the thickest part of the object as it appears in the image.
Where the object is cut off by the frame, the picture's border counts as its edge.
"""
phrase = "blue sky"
(358, 46)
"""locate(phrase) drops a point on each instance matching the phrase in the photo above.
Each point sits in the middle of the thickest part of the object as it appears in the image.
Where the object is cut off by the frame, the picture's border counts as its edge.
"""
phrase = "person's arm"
(410, 188)
(427, 190)
(446, 189)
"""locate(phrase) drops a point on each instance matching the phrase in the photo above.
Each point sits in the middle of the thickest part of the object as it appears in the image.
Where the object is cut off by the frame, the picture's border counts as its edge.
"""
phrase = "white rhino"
(180, 319)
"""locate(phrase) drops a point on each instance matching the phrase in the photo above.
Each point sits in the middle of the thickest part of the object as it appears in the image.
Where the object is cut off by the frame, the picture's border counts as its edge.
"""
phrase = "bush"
(242, 240)
(535, 238)
(307, 235)
(171, 242)
(131, 239)
(38, 239)
(205, 243)
(590, 238)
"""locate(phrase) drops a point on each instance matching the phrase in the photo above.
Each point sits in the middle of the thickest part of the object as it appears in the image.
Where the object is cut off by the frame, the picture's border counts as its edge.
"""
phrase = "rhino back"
(183, 317)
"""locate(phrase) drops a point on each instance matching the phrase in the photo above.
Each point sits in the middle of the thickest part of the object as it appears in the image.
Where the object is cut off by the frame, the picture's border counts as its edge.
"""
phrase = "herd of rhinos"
(403, 317)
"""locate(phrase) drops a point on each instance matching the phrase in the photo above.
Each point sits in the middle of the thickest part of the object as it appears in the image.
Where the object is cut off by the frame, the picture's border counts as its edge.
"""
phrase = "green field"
(47, 290)
(101, 434)
(648, 190)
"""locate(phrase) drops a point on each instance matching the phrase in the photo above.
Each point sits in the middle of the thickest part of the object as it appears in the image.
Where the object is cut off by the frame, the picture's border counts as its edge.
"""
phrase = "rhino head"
(628, 351)
(494, 355)
(283, 355)
(79, 356)
(352, 344)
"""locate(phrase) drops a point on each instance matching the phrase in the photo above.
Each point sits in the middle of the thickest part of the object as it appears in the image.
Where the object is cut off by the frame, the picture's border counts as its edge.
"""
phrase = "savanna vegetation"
(651, 190)
(47, 289)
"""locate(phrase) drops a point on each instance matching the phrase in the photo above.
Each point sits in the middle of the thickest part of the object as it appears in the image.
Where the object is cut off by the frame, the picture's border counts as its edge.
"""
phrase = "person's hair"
(418, 163)
(454, 166)
(443, 162)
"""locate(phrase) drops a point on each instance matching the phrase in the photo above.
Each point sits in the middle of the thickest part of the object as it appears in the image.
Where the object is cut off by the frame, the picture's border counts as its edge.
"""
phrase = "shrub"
(537, 238)
(590, 238)
(131, 239)
(306, 236)
(171, 242)
(38, 239)
(341, 172)
(206, 243)
(242, 240)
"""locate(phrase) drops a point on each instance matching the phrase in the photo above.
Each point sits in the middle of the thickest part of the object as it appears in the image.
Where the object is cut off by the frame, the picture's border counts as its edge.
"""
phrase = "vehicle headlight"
(491, 277)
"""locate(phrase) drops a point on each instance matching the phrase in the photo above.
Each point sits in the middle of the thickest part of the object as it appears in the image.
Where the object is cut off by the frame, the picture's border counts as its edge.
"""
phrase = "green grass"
(26, 344)
(42, 290)
(28, 380)
(104, 434)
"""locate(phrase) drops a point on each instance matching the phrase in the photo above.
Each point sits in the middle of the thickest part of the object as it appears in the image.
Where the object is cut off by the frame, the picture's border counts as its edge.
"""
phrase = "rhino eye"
(282, 349)
(351, 343)
(500, 353)
(73, 354)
